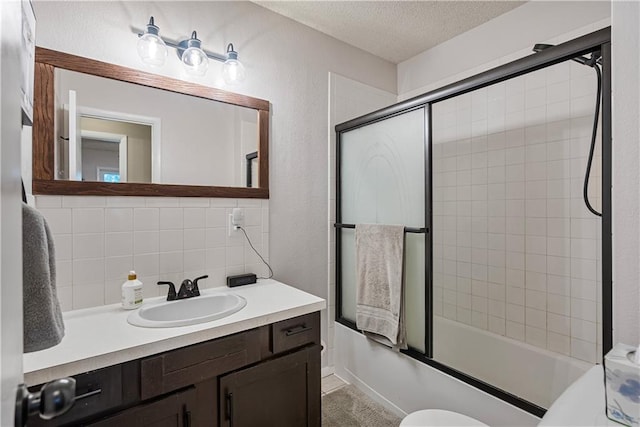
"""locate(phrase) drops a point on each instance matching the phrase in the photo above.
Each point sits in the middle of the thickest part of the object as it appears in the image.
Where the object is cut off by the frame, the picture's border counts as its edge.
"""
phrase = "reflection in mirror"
(150, 135)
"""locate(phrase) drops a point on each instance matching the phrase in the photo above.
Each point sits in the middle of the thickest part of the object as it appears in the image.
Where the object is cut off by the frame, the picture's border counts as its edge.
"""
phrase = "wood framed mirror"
(46, 135)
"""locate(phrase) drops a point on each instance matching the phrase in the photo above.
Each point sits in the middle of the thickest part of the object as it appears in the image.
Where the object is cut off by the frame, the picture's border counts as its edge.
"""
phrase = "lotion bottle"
(132, 292)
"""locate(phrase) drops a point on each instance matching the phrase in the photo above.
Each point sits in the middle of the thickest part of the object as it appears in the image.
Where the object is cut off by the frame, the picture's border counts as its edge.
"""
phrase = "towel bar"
(406, 229)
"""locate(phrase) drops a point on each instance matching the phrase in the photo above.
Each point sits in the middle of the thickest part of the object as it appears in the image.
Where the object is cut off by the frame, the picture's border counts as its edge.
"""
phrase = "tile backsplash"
(99, 239)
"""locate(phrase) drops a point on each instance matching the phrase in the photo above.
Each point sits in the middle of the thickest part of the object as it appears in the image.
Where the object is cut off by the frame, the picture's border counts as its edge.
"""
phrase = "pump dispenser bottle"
(132, 292)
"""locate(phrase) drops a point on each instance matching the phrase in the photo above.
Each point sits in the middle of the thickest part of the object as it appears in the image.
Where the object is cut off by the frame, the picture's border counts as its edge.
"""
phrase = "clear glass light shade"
(195, 61)
(152, 50)
(233, 71)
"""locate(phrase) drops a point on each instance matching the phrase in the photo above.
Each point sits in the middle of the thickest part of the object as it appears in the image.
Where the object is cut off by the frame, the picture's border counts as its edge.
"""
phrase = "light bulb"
(232, 71)
(151, 48)
(194, 58)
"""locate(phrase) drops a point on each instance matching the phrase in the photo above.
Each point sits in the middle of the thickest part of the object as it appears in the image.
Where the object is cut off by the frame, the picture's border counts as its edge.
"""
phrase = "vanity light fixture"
(153, 51)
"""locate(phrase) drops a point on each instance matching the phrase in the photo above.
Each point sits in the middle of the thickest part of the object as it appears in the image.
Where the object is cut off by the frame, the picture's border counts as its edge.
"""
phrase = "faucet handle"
(196, 290)
(172, 290)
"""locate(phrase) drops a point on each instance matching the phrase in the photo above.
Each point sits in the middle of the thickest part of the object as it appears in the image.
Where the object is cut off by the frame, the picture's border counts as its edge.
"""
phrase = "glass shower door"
(381, 173)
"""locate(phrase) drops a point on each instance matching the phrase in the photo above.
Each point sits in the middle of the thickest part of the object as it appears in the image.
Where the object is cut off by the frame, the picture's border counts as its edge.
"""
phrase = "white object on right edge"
(622, 385)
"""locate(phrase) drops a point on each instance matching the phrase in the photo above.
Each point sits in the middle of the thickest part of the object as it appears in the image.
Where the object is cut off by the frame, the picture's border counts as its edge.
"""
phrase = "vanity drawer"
(190, 365)
(295, 332)
(96, 392)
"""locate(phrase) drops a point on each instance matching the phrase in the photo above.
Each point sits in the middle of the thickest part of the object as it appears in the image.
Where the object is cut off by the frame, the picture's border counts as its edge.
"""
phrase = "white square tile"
(89, 220)
(536, 300)
(215, 237)
(215, 258)
(193, 202)
(558, 266)
(88, 296)
(584, 248)
(583, 268)
(118, 267)
(223, 203)
(194, 217)
(558, 343)
(583, 330)
(112, 292)
(479, 320)
(58, 220)
(65, 298)
(559, 304)
(583, 309)
(559, 285)
(559, 324)
(216, 217)
(125, 202)
(535, 280)
(234, 256)
(584, 289)
(536, 336)
(83, 202)
(118, 219)
(497, 325)
(63, 244)
(559, 246)
(171, 219)
(171, 240)
(583, 350)
(515, 295)
(43, 201)
(558, 227)
(194, 239)
(515, 330)
(118, 244)
(195, 260)
(162, 202)
(146, 219)
(515, 277)
(88, 245)
(535, 318)
(64, 272)
(171, 262)
(87, 271)
(536, 189)
(145, 242)
(147, 264)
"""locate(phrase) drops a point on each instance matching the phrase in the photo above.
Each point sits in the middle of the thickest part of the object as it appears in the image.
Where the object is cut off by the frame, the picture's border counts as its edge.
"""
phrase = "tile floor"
(331, 383)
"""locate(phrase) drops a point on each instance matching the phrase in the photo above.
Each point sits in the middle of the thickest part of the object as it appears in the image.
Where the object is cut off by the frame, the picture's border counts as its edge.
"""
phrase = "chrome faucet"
(188, 289)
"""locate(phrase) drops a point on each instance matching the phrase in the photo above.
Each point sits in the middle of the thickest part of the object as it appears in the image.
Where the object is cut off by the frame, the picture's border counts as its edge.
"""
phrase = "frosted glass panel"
(349, 274)
(382, 181)
(382, 172)
(414, 303)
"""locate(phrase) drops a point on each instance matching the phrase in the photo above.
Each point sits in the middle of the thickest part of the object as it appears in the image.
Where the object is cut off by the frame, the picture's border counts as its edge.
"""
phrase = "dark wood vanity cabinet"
(268, 376)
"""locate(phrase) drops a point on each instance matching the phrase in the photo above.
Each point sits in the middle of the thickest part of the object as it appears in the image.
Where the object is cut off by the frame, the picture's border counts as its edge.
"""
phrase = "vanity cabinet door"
(174, 410)
(284, 391)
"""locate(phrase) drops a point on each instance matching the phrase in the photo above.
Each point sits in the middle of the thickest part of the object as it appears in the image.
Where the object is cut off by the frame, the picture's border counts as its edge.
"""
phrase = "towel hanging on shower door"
(379, 283)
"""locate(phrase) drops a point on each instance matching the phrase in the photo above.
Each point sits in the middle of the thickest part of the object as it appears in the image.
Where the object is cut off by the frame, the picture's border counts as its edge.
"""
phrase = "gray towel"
(379, 288)
(43, 325)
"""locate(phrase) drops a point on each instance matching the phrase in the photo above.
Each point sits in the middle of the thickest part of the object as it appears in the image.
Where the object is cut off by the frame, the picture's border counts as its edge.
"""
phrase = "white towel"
(379, 288)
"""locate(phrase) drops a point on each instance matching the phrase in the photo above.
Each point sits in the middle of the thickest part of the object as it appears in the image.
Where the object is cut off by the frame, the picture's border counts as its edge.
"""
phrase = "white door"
(10, 209)
(75, 139)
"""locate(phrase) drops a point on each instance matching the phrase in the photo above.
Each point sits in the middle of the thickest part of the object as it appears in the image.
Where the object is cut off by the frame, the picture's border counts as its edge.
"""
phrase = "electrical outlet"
(236, 218)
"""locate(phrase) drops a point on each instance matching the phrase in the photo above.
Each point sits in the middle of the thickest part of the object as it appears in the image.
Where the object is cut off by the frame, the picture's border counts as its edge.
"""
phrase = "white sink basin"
(203, 308)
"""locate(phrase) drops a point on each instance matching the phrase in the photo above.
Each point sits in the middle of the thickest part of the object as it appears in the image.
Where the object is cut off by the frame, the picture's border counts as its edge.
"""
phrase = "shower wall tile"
(99, 239)
(516, 252)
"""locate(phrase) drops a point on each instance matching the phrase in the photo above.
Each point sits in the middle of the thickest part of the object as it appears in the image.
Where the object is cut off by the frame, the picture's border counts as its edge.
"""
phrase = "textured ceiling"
(393, 30)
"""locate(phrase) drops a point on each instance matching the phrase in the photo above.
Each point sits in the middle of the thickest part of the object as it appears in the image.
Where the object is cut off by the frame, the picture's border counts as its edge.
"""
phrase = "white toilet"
(581, 404)
(439, 417)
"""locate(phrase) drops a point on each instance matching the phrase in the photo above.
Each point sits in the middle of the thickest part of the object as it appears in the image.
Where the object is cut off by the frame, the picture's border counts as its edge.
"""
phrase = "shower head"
(595, 56)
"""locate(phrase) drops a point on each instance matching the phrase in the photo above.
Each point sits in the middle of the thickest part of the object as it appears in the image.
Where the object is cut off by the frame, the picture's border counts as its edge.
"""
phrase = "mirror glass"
(114, 131)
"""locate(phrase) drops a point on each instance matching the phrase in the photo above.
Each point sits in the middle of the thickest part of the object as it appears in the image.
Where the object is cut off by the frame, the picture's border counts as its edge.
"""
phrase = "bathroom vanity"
(257, 367)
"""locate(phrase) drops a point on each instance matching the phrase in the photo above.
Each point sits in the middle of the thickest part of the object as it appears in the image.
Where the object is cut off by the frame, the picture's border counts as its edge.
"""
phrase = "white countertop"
(101, 336)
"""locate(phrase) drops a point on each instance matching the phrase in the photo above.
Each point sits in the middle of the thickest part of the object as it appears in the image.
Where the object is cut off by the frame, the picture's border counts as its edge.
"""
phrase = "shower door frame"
(598, 40)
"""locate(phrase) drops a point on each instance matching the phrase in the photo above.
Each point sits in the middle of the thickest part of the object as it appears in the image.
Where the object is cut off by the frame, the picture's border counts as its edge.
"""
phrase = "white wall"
(625, 42)
(505, 38)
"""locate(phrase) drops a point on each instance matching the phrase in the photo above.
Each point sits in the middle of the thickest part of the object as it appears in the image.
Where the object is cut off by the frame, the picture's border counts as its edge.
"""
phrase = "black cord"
(594, 132)
(257, 253)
